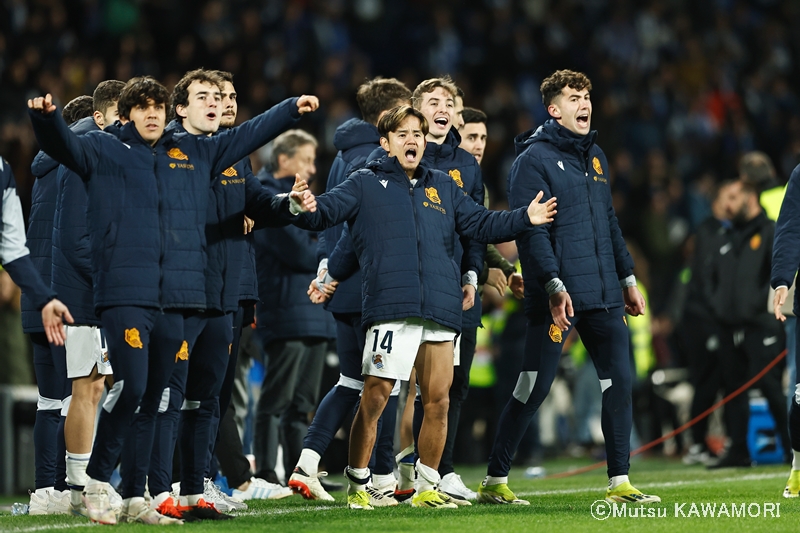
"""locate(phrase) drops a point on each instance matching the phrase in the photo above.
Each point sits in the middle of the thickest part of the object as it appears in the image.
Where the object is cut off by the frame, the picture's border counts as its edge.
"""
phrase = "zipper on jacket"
(594, 233)
(419, 255)
(160, 233)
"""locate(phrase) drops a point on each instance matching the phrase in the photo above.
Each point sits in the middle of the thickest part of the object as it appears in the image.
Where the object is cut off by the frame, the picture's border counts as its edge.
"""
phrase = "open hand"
(497, 280)
(469, 297)
(53, 315)
(778, 301)
(517, 285)
(561, 309)
(307, 104)
(542, 213)
(43, 104)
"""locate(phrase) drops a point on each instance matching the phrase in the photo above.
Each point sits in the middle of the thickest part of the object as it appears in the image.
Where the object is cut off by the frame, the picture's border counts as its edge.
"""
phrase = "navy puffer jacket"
(148, 204)
(405, 238)
(286, 263)
(583, 246)
(355, 140)
(40, 232)
(463, 168)
(72, 257)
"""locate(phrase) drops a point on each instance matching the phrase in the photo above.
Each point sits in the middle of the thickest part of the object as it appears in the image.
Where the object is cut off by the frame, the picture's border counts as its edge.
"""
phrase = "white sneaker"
(58, 503)
(381, 496)
(224, 503)
(452, 485)
(261, 489)
(39, 500)
(698, 455)
(141, 513)
(307, 486)
(115, 500)
(98, 507)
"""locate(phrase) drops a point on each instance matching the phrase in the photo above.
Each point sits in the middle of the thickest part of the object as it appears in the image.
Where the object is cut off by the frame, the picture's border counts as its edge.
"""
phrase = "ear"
(98, 119)
(180, 111)
(384, 143)
(554, 111)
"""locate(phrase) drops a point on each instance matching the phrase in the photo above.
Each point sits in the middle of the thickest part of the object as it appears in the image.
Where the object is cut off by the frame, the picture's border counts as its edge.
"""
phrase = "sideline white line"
(667, 484)
(268, 512)
(49, 527)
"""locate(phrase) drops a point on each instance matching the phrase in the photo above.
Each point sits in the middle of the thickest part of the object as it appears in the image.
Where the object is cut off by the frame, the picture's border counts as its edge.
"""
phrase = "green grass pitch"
(557, 505)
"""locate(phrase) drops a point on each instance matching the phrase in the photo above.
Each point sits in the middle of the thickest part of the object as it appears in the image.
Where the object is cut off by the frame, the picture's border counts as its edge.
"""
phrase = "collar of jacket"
(554, 133)
(445, 150)
(128, 133)
(391, 168)
(355, 132)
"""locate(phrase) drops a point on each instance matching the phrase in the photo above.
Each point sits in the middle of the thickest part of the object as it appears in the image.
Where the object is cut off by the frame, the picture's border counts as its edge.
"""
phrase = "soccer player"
(51, 494)
(87, 358)
(295, 332)
(147, 255)
(403, 219)
(436, 99)
(356, 139)
(582, 252)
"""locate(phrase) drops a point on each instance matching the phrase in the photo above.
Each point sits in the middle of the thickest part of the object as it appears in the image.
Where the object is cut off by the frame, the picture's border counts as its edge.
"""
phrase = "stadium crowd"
(682, 90)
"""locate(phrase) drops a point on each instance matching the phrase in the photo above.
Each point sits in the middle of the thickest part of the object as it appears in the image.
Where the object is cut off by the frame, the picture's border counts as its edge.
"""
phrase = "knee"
(373, 400)
(437, 406)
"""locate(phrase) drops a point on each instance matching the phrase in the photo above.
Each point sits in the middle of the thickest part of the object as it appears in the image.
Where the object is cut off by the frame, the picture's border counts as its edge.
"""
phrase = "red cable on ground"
(685, 426)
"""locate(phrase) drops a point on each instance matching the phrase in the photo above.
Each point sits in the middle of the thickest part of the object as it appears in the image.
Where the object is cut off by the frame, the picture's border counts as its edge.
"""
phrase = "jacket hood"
(43, 163)
(355, 132)
(129, 133)
(447, 148)
(554, 133)
(391, 167)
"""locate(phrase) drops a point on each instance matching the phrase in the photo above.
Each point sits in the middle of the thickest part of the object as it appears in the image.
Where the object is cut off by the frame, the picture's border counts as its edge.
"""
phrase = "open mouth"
(583, 119)
(441, 121)
(411, 155)
(211, 115)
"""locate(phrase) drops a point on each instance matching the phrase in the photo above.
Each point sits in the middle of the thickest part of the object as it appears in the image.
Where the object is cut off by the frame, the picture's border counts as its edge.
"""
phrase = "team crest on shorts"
(597, 166)
(175, 153)
(433, 195)
(377, 360)
(133, 339)
(555, 333)
(183, 353)
(456, 175)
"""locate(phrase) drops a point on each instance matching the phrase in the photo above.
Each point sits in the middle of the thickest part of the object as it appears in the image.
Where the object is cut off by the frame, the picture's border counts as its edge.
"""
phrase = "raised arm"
(334, 207)
(55, 138)
(266, 209)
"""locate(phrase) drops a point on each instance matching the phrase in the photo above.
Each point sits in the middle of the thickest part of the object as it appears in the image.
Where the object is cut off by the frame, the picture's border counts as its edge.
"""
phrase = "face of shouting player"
(438, 106)
(573, 110)
(201, 115)
(407, 144)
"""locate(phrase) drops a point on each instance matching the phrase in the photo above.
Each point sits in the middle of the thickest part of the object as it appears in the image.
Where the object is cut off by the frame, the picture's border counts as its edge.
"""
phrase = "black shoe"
(203, 511)
(331, 486)
(731, 461)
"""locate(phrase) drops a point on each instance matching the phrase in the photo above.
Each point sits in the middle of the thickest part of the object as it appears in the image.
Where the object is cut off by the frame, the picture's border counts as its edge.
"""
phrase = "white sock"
(427, 478)
(357, 478)
(795, 460)
(492, 480)
(616, 481)
(309, 462)
(94, 483)
(160, 498)
(76, 469)
(381, 481)
(192, 499)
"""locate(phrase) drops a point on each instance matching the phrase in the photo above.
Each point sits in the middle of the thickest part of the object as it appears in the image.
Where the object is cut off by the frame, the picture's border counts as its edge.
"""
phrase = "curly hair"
(77, 108)
(138, 92)
(552, 85)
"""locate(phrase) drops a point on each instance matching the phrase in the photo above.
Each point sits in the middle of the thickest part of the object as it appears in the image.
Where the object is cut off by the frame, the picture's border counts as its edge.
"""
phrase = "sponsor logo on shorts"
(183, 353)
(555, 333)
(456, 175)
(133, 339)
(377, 360)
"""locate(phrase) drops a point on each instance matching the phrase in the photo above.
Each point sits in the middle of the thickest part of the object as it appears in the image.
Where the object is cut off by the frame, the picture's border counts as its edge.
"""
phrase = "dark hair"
(180, 94)
(472, 115)
(394, 117)
(552, 85)
(428, 86)
(380, 94)
(757, 171)
(138, 91)
(106, 94)
(77, 108)
(224, 75)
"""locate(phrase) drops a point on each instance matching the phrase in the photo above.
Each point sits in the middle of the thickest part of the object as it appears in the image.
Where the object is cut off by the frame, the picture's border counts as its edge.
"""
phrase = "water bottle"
(19, 509)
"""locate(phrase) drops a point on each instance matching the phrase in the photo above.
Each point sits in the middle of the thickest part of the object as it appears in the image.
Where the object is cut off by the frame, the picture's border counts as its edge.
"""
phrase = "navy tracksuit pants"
(606, 337)
(142, 343)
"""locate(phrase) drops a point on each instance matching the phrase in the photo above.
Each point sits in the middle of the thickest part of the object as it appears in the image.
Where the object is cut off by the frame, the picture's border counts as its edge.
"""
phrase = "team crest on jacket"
(456, 175)
(433, 195)
(230, 172)
(175, 153)
(133, 339)
(755, 241)
(377, 360)
(597, 166)
(555, 333)
(183, 353)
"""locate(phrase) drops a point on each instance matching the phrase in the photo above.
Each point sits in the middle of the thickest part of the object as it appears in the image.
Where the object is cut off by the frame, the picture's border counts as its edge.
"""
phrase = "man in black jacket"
(582, 252)
(751, 337)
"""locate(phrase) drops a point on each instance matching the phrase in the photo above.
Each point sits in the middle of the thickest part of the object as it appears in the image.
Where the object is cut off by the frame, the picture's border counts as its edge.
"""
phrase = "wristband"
(554, 286)
(470, 278)
(629, 281)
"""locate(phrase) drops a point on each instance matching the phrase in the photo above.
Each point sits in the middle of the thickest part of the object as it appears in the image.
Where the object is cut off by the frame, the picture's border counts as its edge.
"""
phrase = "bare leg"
(365, 424)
